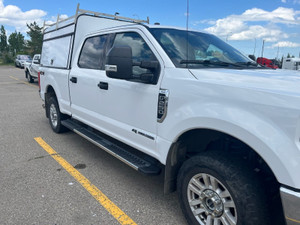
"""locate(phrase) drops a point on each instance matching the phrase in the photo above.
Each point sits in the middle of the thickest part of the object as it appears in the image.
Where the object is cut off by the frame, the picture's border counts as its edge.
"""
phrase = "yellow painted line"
(9, 83)
(114, 210)
(23, 81)
(296, 221)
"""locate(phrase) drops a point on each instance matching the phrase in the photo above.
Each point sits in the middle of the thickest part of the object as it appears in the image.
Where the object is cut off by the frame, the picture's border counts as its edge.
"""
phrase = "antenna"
(187, 15)
(187, 30)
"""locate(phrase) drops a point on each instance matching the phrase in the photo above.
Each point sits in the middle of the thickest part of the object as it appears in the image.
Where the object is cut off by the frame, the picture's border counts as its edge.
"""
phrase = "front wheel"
(55, 116)
(29, 77)
(216, 189)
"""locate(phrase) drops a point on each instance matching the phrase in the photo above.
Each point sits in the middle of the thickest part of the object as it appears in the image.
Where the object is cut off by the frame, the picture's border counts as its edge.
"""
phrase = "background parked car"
(21, 59)
(32, 69)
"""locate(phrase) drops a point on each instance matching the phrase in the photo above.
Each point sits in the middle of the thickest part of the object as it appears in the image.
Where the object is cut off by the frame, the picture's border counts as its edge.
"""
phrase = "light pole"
(254, 46)
(262, 49)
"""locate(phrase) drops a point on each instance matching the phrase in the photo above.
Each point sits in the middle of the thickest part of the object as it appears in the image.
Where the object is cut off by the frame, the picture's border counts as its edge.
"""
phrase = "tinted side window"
(140, 50)
(56, 52)
(91, 56)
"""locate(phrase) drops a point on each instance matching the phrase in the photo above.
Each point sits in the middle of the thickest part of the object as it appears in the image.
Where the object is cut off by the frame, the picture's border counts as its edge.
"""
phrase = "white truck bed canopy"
(62, 38)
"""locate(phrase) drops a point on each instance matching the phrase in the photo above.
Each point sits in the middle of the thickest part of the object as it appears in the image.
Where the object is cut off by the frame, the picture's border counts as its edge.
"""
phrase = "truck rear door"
(126, 110)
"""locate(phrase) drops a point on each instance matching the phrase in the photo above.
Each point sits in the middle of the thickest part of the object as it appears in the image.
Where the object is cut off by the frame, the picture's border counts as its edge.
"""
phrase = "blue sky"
(243, 24)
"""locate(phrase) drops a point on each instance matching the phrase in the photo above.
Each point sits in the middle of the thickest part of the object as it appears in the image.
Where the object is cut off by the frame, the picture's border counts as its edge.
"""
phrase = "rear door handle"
(73, 79)
(103, 85)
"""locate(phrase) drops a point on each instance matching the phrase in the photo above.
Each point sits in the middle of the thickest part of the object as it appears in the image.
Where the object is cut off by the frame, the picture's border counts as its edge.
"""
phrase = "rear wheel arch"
(55, 116)
(50, 92)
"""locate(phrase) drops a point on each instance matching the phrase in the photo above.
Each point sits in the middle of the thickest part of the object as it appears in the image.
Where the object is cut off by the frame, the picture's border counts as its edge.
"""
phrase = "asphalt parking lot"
(37, 189)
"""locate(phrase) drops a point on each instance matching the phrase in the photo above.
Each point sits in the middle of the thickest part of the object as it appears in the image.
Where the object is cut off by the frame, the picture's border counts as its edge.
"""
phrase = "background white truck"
(32, 69)
(225, 131)
(291, 63)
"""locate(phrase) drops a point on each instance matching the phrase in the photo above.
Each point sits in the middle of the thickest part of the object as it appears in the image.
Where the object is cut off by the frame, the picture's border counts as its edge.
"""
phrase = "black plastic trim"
(55, 67)
(291, 188)
(130, 156)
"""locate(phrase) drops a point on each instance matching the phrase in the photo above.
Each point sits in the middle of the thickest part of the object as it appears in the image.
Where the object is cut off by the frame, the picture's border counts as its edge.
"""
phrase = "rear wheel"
(216, 189)
(55, 116)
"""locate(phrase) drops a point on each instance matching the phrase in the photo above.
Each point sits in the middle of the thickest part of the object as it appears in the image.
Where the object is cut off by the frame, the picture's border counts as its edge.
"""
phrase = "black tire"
(55, 116)
(230, 174)
(29, 77)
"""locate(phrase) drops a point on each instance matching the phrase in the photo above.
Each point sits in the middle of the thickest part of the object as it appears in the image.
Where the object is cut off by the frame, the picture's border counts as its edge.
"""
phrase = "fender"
(60, 86)
(277, 149)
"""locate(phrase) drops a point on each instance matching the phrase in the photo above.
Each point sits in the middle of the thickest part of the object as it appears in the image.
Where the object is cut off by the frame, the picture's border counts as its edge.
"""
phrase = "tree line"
(16, 44)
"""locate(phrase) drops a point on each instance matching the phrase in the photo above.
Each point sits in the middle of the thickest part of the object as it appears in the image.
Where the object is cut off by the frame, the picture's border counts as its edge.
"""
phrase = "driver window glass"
(140, 50)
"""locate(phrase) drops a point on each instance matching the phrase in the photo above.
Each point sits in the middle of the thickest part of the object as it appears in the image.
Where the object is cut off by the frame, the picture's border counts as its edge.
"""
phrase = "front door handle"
(73, 79)
(103, 85)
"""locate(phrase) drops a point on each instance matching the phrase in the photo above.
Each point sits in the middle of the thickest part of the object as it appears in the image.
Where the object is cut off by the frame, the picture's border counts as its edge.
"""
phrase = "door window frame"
(112, 33)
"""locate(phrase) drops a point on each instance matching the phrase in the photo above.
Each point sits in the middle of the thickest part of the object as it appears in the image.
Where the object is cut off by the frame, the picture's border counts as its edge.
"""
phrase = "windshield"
(190, 49)
(25, 57)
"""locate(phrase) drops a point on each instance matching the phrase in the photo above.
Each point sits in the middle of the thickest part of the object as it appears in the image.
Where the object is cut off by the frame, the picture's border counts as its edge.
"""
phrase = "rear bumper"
(291, 205)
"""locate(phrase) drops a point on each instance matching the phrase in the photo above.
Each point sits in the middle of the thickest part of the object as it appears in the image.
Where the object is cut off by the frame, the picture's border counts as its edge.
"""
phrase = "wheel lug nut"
(218, 201)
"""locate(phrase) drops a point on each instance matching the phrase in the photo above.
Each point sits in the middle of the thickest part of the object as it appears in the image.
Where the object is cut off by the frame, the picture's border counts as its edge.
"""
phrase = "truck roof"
(293, 59)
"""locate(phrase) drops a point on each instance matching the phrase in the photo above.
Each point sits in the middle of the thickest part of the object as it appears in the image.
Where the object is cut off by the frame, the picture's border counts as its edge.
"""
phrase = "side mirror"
(36, 61)
(119, 62)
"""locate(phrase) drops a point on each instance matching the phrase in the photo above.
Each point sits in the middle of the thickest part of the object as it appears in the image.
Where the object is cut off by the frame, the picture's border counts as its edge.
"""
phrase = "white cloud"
(283, 1)
(226, 26)
(11, 15)
(53, 19)
(279, 15)
(287, 44)
(236, 27)
(257, 31)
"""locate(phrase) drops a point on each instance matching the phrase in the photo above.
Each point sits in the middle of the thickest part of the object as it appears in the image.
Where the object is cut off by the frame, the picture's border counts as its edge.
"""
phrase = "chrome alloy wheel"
(53, 115)
(210, 201)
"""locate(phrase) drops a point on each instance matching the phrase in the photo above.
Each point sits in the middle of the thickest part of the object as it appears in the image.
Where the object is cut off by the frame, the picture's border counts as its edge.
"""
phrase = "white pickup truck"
(291, 64)
(32, 69)
(225, 131)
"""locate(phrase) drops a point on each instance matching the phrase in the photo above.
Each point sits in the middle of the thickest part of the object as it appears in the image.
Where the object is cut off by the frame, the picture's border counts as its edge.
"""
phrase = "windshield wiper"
(209, 62)
(253, 64)
(249, 63)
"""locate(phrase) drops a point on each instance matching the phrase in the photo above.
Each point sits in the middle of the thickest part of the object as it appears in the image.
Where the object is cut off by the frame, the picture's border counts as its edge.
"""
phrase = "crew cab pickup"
(32, 68)
(225, 131)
